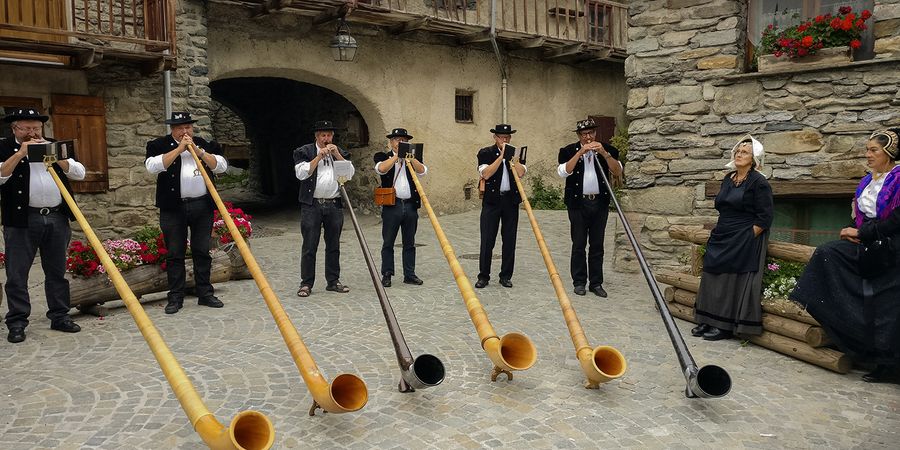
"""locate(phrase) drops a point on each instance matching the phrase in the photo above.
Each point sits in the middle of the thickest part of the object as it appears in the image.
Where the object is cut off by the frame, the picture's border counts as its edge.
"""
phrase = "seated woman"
(860, 311)
(728, 301)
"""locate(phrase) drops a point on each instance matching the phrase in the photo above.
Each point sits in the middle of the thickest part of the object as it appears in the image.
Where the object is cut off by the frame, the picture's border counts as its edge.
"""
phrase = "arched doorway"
(277, 116)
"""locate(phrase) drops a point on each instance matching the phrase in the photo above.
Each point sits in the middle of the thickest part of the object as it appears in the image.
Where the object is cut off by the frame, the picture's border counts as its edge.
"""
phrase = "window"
(784, 13)
(464, 106)
(810, 221)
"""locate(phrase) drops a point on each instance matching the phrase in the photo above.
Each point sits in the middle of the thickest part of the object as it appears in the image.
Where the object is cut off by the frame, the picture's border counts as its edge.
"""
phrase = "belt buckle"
(590, 196)
(44, 211)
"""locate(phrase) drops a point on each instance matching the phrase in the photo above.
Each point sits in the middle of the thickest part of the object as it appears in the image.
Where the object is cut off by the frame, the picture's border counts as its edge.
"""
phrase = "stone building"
(693, 93)
(258, 73)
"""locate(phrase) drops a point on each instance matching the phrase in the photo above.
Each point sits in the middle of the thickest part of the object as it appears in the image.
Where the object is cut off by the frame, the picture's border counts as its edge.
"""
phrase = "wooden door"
(84, 118)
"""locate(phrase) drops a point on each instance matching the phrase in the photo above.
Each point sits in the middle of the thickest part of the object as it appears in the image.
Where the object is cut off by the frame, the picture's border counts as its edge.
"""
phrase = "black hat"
(324, 125)
(399, 132)
(180, 117)
(587, 124)
(25, 114)
(503, 128)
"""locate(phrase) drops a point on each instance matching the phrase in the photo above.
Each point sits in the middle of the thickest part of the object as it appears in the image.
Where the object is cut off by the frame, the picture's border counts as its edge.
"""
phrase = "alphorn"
(347, 392)
(415, 372)
(706, 382)
(512, 351)
(248, 430)
(600, 364)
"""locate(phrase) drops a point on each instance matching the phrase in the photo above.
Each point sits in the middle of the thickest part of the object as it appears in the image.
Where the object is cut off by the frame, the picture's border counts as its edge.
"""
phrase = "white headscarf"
(759, 155)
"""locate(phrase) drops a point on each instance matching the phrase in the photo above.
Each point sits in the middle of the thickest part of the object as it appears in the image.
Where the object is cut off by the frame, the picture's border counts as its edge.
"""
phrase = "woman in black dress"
(731, 285)
(860, 311)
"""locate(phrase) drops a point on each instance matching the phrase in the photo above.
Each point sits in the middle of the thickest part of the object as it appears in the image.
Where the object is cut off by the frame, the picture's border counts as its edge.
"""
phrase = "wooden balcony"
(570, 30)
(81, 33)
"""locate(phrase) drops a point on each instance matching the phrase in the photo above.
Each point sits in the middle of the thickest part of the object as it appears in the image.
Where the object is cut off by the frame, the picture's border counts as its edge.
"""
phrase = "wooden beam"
(153, 66)
(595, 55)
(802, 188)
(777, 249)
(87, 58)
(265, 8)
(481, 36)
(334, 13)
(566, 50)
(412, 25)
(527, 43)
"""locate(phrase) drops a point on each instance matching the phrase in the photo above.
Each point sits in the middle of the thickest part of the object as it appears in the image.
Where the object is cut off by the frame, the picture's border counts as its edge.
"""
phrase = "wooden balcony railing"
(86, 30)
(598, 22)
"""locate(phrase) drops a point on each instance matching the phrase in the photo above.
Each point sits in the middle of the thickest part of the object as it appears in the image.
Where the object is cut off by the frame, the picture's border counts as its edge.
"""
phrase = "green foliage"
(545, 196)
(620, 142)
(227, 181)
(812, 34)
(148, 235)
(780, 277)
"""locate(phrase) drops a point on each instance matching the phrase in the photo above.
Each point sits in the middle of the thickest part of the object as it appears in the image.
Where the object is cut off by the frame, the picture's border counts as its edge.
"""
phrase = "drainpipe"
(503, 75)
(167, 92)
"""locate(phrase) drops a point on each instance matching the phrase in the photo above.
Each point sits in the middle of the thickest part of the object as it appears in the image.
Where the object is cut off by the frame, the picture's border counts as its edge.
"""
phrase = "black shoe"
(699, 330)
(413, 280)
(481, 283)
(16, 335)
(882, 374)
(579, 290)
(505, 283)
(210, 301)
(65, 325)
(173, 307)
(386, 280)
(716, 334)
(598, 291)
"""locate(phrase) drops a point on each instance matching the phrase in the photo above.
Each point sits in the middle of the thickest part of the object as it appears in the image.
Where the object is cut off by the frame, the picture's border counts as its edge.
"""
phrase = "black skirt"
(862, 317)
(732, 301)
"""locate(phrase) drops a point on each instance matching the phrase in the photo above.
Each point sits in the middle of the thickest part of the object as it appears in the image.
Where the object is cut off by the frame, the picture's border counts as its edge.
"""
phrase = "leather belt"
(323, 201)
(45, 211)
(192, 199)
(591, 197)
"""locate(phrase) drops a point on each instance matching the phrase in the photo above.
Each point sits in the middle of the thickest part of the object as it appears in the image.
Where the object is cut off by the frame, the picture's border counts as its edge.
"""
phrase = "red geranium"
(807, 37)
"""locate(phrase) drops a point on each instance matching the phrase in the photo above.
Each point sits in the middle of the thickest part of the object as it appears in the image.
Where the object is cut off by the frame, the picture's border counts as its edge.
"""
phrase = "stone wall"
(690, 100)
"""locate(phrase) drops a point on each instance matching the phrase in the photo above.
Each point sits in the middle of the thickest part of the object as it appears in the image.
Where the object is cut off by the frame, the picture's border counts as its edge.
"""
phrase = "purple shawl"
(887, 200)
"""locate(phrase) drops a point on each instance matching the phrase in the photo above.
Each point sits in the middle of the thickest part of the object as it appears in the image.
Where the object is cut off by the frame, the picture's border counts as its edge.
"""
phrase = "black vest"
(168, 182)
(575, 181)
(387, 180)
(487, 156)
(14, 194)
(306, 153)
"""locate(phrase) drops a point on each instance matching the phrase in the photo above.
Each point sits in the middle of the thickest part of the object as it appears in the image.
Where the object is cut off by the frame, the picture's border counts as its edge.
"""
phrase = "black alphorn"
(707, 381)
(415, 373)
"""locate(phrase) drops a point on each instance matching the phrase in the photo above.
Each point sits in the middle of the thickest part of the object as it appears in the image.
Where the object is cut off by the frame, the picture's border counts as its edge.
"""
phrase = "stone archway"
(278, 114)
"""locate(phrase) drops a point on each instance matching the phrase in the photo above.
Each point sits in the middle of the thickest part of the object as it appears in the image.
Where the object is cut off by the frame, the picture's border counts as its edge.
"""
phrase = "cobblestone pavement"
(102, 388)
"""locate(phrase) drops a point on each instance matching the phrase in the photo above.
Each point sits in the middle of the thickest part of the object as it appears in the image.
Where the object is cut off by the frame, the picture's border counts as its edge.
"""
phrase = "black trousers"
(50, 234)
(404, 217)
(195, 216)
(505, 216)
(588, 224)
(313, 219)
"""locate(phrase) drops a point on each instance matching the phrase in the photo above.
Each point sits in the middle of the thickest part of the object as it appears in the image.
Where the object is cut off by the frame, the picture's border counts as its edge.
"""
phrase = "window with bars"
(465, 106)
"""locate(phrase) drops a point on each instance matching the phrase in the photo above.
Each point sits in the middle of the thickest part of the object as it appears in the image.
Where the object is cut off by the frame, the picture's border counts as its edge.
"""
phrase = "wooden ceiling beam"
(566, 50)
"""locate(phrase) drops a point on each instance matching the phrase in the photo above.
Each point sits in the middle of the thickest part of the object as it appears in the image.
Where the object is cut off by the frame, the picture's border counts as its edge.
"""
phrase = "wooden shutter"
(606, 128)
(84, 118)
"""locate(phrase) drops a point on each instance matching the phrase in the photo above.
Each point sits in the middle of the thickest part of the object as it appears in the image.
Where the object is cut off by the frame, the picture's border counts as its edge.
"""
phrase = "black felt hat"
(587, 124)
(180, 117)
(503, 128)
(324, 125)
(25, 114)
(399, 132)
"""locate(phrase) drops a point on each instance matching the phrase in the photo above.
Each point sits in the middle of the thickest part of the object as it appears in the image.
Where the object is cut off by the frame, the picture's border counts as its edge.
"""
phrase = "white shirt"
(42, 190)
(591, 184)
(402, 188)
(504, 181)
(326, 184)
(192, 185)
(869, 197)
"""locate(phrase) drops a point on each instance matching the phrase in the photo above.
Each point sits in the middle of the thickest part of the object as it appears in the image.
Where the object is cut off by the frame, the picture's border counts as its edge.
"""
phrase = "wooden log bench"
(89, 294)
(787, 327)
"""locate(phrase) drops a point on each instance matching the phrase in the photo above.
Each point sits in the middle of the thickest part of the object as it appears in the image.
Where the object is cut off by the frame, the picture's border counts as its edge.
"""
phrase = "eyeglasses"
(586, 133)
(29, 129)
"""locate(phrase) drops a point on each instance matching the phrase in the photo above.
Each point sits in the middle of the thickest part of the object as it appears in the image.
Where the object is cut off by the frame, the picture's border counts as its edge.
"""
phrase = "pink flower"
(773, 266)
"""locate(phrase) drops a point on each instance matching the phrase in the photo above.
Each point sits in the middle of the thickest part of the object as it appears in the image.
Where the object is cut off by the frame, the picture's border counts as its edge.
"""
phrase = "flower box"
(825, 57)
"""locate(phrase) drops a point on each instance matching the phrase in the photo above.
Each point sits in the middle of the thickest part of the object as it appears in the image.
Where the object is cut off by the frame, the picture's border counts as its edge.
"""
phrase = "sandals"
(304, 291)
(337, 287)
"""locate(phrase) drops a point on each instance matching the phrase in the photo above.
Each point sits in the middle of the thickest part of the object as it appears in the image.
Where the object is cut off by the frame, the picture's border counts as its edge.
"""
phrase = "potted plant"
(823, 40)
